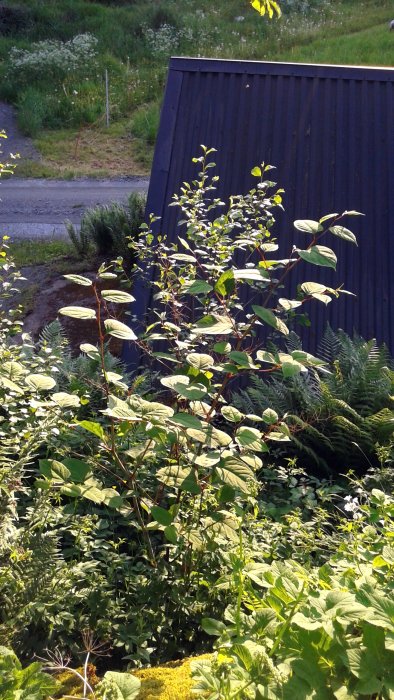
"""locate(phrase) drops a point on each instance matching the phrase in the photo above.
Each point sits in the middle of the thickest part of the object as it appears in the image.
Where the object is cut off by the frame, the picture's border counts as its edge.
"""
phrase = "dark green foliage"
(163, 15)
(336, 417)
(15, 20)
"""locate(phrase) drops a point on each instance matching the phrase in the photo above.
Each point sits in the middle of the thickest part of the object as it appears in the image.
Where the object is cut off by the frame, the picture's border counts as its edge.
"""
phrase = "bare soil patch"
(44, 291)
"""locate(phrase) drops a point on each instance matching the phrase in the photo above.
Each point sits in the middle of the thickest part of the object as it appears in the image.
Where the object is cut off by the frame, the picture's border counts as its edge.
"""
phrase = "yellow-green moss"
(71, 685)
(171, 681)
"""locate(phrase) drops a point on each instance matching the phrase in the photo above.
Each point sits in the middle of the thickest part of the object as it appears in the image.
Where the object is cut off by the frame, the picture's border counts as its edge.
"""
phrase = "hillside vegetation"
(54, 55)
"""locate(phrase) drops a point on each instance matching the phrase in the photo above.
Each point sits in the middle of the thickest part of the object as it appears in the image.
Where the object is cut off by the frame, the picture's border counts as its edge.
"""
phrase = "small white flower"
(349, 507)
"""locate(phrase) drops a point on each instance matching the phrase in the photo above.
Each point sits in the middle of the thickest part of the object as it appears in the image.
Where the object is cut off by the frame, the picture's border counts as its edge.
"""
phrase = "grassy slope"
(341, 31)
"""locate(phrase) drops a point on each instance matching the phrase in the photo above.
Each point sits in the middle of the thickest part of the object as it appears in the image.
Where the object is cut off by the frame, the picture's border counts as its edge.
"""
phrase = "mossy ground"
(172, 681)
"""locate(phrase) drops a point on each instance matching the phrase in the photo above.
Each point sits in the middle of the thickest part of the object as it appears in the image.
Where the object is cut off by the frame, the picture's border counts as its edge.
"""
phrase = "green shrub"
(109, 227)
(189, 446)
(53, 61)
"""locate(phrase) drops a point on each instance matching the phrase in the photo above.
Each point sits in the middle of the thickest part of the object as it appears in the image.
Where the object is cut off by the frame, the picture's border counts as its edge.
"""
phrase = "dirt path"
(15, 142)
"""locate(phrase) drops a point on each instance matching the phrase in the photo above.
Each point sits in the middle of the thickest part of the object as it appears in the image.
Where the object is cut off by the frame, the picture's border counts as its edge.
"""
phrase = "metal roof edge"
(313, 70)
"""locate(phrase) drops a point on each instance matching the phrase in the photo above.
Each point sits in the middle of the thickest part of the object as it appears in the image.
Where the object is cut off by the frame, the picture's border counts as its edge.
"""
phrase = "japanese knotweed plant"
(185, 463)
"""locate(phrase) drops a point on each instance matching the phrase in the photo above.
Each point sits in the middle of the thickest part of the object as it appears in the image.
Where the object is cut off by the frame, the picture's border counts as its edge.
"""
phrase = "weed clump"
(109, 227)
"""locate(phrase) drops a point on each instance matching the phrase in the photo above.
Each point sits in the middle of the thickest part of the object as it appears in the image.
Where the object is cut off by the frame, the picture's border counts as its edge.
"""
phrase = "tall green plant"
(176, 466)
(194, 455)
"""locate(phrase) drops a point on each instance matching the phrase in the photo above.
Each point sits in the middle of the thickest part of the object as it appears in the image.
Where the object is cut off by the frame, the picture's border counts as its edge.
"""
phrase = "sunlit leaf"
(289, 304)
(327, 217)
(232, 414)
(213, 325)
(209, 436)
(65, 400)
(78, 279)
(235, 473)
(311, 288)
(181, 385)
(90, 350)
(250, 438)
(59, 471)
(40, 382)
(319, 255)
(81, 312)
(200, 361)
(117, 296)
(252, 274)
(92, 427)
(308, 226)
(270, 416)
(119, 330)
(225, 284)
(128, 686)
(344, 233)
(120, 409)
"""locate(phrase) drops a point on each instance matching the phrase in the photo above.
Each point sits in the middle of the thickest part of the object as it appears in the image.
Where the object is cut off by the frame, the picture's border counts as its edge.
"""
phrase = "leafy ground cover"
(141, 514)
(54, 56)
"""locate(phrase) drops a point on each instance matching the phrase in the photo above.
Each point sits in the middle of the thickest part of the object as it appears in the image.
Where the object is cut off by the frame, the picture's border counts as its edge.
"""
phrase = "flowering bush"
(164, 40)
(53, 59)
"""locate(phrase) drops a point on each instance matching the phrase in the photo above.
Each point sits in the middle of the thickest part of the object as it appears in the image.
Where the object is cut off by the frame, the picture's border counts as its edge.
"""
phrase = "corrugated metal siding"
(329, 130)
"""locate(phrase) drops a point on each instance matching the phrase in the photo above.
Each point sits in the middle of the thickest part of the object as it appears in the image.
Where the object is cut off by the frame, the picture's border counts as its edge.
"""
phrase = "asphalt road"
(36, 207)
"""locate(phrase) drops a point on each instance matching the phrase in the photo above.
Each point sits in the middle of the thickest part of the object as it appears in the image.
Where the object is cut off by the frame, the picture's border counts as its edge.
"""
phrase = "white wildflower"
(53, 57)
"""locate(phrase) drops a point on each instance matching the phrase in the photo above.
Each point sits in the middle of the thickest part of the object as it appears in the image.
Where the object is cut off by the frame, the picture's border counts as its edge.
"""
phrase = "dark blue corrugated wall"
(329, 130)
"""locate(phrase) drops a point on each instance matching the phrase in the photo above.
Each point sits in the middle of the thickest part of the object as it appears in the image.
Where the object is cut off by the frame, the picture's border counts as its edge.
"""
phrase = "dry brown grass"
(93, 152)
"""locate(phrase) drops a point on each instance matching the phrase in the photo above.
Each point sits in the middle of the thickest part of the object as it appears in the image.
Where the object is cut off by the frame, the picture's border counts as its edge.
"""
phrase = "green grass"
(42, 251)
(134, 47)
(366, 47)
